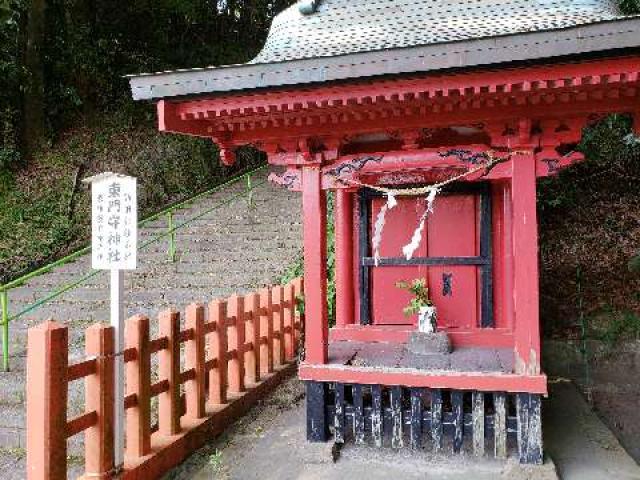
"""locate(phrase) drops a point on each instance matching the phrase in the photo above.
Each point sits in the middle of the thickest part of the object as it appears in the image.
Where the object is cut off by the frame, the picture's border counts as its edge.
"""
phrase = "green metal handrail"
(170, 233)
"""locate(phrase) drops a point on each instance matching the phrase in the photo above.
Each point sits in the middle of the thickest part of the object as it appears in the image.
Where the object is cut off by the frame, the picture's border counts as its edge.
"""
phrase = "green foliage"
(418, 288)
(620, 326)
(612, 160)
(91, 44)
(297, 269)
(41, 216)
(630, 7)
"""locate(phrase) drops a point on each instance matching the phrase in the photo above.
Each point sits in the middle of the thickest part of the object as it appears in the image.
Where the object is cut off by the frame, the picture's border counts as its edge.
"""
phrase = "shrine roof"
(317, 41)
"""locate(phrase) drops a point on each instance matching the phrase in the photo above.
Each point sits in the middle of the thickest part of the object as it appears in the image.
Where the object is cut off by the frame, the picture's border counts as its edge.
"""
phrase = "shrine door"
(454, 257)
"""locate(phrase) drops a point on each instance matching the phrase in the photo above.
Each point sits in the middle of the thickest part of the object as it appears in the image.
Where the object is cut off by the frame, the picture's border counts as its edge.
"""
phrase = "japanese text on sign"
(114, 222)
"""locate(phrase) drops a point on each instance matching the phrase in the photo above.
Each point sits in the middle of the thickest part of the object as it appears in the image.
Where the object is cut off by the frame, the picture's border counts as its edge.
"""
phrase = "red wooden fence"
(235, 351)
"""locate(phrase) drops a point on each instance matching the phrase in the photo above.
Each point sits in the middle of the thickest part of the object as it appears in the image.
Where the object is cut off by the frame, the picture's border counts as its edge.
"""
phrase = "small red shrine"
(379, 99)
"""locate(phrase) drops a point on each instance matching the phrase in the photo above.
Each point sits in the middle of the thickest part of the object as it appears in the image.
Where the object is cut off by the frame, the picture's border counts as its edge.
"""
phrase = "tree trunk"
(33, 96)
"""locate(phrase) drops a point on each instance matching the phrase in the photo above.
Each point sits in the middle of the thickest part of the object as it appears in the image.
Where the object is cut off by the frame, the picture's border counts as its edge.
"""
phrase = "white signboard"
(114, 233)
(114, 222)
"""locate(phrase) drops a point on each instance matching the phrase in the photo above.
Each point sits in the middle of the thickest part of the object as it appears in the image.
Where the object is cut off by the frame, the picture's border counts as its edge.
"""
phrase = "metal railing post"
(249, 192)
(172, 238)
(4, 306)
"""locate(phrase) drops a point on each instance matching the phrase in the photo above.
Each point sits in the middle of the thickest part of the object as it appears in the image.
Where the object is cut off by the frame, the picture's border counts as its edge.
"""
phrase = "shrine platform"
(477, 368)
(397, 356)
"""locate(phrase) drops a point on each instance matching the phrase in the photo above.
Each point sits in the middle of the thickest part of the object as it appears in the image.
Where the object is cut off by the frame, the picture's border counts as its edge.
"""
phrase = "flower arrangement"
(418, 287)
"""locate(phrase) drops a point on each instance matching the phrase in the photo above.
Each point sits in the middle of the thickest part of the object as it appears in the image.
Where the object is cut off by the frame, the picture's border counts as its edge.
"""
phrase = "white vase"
(427, 317)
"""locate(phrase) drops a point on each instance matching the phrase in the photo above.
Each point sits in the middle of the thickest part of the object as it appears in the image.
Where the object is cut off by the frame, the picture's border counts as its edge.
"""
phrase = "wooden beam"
(315, 265)
(525, 268)
(344, 258)
(407, 377)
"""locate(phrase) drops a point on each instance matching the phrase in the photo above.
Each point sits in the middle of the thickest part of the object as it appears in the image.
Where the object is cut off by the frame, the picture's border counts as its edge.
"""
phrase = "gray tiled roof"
(348, 39)
(341, 27)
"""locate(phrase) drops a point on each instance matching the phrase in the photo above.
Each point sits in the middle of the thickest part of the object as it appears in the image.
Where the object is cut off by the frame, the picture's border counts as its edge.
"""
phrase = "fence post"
(266, 330)
(194, 356)
(289, 321)
(172, 237)
(138, 371)
(278, 322)
(169, 411)
(236, 342)
(252, 356)
(218, 348)
(47, 364)
(4, 306)
(99, 397)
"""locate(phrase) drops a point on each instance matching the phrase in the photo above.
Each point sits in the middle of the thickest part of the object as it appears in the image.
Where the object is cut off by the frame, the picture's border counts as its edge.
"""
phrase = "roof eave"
(589, 38)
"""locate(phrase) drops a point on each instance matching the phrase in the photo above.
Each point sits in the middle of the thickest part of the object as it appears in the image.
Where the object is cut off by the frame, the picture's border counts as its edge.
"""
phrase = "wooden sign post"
(114, 233)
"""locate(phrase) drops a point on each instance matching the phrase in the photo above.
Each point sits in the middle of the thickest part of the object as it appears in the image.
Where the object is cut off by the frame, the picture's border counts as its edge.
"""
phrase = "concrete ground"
(581, 445)
(270, 445)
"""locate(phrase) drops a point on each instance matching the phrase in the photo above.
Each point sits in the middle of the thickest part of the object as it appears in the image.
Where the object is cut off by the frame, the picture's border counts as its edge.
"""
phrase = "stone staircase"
(233, 249)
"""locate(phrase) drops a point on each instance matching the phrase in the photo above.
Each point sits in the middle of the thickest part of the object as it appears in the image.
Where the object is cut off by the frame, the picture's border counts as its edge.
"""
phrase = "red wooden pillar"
(525, 265)
(47, 364)
(195, 359)
(344, 257)
(138, 373)
(315, 265)
(98, 439)
(169, 411)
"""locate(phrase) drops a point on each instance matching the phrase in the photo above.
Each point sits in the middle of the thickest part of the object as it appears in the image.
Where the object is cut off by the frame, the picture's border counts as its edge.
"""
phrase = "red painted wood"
(400, 334)
(558, 77)
(453, 232)
(344, 258)
(47, 364)
(525, 268)
(502, 255)
(387, 301)
(428, 101)
(315, 270)
(484, 382)
(99, 398)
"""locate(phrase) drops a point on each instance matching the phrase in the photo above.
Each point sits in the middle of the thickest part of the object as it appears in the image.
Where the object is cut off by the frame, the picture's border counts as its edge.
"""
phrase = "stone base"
(422, 343)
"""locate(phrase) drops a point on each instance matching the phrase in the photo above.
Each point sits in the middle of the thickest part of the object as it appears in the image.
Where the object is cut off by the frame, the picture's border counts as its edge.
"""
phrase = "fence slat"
(278, 325)
(236, 334)
(396, 417)
(138, 383)
(195, 359)
(416, 418)
(218, 349)
(266, 330)
(529, 428)
(377, 418)
(289, 321)
(99, 398)
(81, 369)
(169, 410)
(338, 420)
(458, 420)
(358, 415)
(436, 419)
(500, 425)
(47, 365)
(252, 356)
(478, 423)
